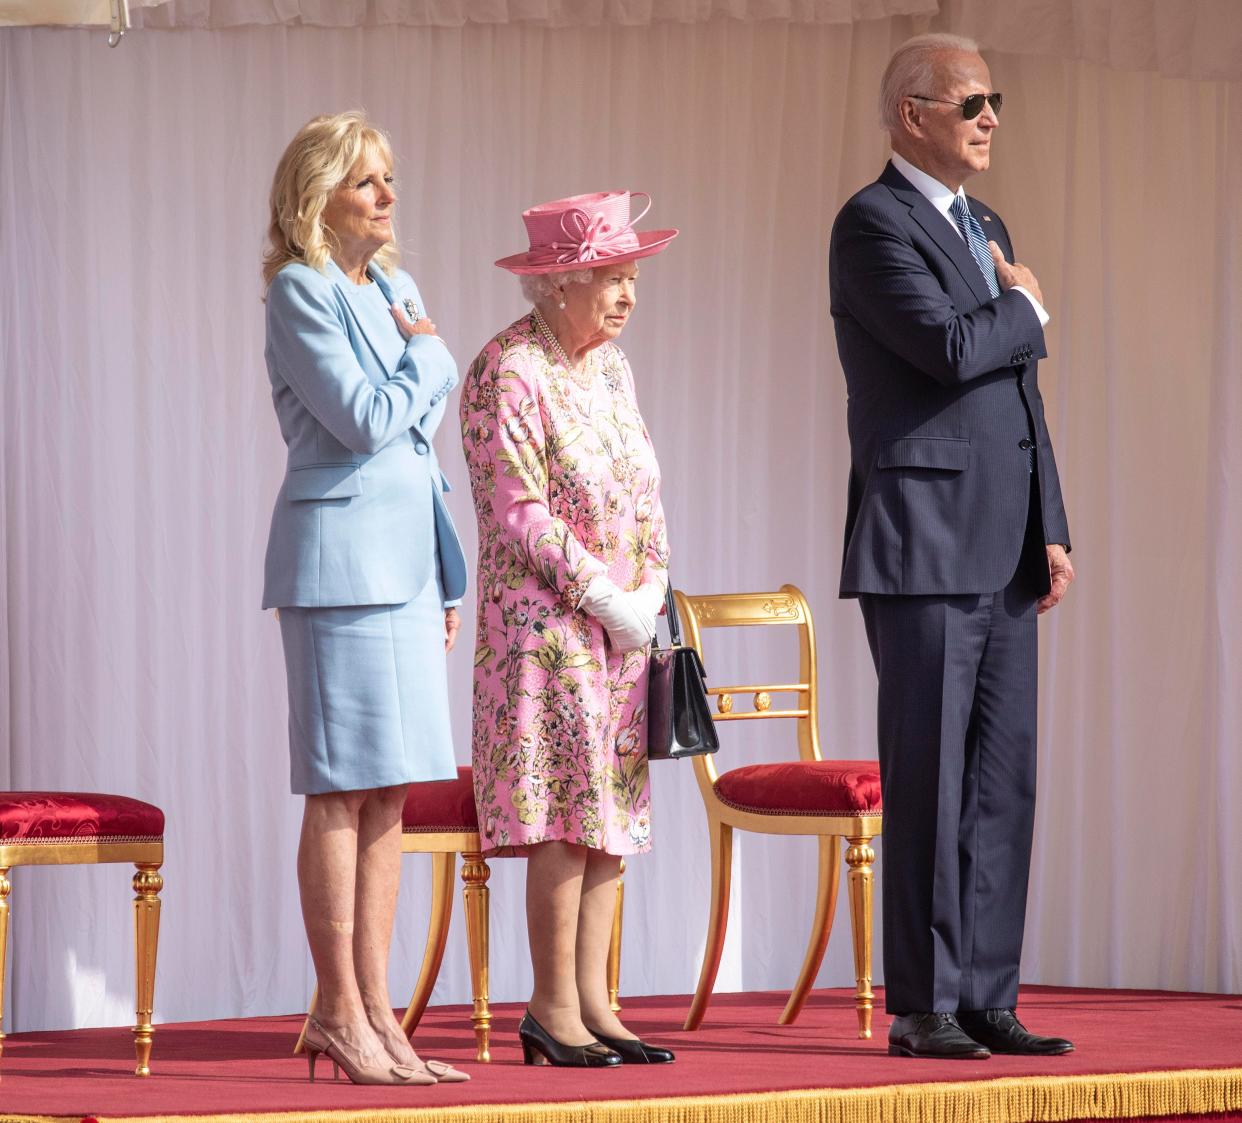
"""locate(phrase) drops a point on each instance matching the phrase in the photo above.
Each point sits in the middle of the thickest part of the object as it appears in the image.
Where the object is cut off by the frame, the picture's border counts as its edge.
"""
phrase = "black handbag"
(679, 722)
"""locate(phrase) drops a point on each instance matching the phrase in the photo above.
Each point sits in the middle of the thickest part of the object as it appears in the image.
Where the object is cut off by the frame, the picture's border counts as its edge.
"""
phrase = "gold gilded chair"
(827, 799)
(89, 828)
(440, 819)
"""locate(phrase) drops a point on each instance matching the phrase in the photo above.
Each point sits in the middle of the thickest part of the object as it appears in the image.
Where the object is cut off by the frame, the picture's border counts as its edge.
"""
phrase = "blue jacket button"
(420, 447)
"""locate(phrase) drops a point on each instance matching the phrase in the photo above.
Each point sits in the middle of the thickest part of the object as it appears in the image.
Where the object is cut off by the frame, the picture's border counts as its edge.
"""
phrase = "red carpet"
(814, 1070)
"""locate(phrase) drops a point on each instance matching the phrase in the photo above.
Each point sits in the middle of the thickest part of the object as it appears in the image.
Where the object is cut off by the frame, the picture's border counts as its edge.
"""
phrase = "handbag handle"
(670, 610)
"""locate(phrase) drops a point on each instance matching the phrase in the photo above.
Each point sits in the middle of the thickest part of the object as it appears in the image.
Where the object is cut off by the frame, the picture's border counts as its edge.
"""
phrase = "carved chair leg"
(821, 926)
(718, 918)
(614, 946)
(6, 887)
(859, 856)
(474, 875)
(147, 886)
(314, 1002)
(443, 866)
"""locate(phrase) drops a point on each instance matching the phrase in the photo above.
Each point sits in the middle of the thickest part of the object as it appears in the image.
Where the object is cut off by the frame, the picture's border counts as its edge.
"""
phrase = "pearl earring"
(561, 305)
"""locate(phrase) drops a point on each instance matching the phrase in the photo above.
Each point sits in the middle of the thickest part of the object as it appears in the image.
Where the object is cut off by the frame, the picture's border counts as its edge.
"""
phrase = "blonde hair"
(316, 162)
(913, 70)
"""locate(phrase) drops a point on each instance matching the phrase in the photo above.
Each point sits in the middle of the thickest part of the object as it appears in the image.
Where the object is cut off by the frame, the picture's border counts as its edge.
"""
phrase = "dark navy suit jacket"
(942, 389)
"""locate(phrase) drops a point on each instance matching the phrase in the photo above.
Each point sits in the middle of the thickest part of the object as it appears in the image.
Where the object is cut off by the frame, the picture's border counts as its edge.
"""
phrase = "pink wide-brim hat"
(584, 231)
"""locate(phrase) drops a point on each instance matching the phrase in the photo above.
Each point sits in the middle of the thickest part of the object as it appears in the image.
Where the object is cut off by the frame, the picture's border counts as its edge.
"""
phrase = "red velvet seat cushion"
(42, 817)
(441, 805)
(804, 787)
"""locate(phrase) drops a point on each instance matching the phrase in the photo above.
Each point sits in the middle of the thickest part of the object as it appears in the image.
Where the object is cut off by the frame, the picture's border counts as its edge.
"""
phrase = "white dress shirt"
(942, 198)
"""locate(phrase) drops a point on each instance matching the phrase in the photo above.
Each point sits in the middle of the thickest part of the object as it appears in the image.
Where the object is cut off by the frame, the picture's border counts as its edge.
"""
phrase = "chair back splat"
(745, 610)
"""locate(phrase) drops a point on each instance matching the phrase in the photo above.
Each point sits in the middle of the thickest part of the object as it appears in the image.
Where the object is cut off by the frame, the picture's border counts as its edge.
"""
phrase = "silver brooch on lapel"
(411, 310)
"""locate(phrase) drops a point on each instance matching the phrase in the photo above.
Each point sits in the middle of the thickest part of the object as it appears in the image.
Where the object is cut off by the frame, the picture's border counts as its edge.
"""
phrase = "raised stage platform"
(1140, 1055)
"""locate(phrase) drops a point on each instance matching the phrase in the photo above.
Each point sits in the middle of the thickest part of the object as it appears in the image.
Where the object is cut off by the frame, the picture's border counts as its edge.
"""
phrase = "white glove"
(629, 624)
(650, 598)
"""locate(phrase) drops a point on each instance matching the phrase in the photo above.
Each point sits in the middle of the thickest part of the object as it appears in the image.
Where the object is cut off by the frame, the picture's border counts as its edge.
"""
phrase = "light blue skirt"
(368, 695)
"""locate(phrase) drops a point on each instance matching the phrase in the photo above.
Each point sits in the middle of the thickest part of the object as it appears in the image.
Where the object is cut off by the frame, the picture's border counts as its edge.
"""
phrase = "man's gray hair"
(538, 286)
(912, 70)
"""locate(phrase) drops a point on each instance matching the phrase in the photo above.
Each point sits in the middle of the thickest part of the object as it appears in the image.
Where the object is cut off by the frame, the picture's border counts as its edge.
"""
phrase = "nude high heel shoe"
(399, 1046)
(440, 1071)
(360, 1069)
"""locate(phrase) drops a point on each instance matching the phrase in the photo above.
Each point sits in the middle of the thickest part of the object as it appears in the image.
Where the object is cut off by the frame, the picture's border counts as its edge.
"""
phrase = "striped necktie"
(973, 233)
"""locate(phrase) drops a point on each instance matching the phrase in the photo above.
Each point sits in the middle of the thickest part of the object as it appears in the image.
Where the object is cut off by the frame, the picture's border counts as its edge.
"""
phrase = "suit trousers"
(957, 739)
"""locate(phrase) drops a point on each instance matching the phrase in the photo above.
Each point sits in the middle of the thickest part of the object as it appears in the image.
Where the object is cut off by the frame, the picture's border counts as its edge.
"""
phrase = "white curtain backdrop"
(454, 13)
(1178, 38)
(141, 456)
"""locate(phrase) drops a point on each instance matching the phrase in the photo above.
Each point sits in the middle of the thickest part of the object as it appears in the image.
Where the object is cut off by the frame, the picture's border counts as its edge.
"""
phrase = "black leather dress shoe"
(933, 1035)
(1001, 1032)
(538, 1042)
(635, 1052)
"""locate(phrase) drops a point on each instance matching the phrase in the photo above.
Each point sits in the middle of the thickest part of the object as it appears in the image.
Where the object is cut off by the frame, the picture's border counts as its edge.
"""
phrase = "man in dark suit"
(955, 539)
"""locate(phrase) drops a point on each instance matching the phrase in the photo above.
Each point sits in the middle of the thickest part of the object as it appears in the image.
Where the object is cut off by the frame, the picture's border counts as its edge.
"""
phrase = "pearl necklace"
(553, 342)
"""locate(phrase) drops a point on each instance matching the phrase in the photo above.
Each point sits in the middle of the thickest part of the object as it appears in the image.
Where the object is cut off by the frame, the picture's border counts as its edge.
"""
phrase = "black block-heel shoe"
(537, 1041)
(635, 1052)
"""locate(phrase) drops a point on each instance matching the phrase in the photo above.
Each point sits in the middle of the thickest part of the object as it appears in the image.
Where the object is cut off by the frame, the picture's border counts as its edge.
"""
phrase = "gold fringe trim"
(1036, 1099)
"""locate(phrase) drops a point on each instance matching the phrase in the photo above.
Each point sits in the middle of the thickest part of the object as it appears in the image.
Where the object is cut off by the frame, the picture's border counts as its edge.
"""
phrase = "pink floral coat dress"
(566, 488)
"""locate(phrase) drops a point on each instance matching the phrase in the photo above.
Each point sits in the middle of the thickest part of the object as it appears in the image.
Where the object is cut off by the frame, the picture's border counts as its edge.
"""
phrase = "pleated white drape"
(141, 456)
(1177, 38)
(454, 13)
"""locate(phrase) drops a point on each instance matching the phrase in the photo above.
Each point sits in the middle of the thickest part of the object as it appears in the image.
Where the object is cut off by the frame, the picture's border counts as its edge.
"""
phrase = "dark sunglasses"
(971, 107)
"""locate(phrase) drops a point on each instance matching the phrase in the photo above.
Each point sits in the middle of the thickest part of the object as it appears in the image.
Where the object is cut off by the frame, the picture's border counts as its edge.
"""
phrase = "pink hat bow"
(585, 230)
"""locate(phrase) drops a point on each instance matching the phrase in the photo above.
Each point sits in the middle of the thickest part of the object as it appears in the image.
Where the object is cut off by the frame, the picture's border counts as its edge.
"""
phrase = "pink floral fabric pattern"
(566, 487)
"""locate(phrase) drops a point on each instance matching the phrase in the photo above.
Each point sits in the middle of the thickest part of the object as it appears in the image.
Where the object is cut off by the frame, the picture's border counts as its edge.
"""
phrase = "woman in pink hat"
(573, 563)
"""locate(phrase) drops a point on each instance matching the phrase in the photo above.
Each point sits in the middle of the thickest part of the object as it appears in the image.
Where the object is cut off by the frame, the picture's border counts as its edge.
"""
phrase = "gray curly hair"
(539, 286)
(912, 70)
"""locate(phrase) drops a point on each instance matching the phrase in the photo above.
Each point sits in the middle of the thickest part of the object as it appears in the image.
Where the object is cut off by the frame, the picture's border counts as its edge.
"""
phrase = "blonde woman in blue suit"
(363, 564)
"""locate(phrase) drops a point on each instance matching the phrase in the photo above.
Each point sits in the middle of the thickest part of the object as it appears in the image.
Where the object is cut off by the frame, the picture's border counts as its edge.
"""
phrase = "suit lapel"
(937, 228)
(378, 276)
(353, 295)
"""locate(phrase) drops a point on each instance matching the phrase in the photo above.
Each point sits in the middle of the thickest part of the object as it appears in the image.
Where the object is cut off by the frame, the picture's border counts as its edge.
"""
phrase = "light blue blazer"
(362, 488)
